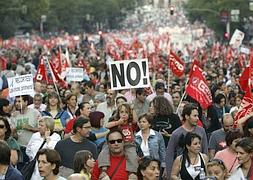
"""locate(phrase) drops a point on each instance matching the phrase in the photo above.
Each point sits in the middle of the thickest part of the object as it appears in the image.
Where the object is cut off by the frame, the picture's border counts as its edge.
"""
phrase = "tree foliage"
(71, 16)
(209, 12)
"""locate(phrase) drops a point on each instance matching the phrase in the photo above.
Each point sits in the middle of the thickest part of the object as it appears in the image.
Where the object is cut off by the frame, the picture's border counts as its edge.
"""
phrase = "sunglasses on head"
(2, 126)
(114, 141)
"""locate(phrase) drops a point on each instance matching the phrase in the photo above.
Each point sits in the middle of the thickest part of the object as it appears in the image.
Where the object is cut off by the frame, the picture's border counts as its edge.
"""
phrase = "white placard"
(128, 74)
(21, 85)
(74, 74)
(244, 50)
(236, 39)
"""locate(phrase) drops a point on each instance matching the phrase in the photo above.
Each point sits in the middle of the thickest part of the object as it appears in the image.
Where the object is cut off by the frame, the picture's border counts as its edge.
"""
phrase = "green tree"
(209, 12)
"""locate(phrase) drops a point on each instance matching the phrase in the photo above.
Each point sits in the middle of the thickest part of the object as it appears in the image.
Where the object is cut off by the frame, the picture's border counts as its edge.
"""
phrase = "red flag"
(198, 89)
(176, 65)
(56, 77)
(246, 84)
(41, 72)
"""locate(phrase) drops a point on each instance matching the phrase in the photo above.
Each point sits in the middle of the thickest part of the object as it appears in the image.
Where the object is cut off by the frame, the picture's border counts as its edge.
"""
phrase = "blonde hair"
(49, 121)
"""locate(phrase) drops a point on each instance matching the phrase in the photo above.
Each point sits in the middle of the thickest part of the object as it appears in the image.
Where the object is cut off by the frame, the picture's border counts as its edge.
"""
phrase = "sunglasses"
(2, 126)
(114, 141)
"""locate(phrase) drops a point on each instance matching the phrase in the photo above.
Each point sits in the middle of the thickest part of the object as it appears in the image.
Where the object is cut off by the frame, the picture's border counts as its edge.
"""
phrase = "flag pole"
(181, 100)
(50, 68)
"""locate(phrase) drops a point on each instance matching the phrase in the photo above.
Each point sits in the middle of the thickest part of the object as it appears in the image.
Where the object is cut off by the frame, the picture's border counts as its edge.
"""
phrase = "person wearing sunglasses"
(117, 168)
(216, 168)
(5, 135)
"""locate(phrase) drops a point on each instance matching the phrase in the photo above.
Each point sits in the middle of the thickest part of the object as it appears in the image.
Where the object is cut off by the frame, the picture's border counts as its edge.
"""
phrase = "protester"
(175, 146)
(71, 105)
(97, 122)
(244, 150)
(149, 168)
(228, 155)
(49, 162)
(54, 110)
(7, 171)
(5, 135)
(117, 167)
(46, 133)
(217, 139)
(217, 169)
(164, 121)
(140, 104)
(189, 164)
(5, 108)
(37, 103)
(78, 141)
(24, 122)
(76, 90)
(84, 163)
(150, 141)
(125, 122)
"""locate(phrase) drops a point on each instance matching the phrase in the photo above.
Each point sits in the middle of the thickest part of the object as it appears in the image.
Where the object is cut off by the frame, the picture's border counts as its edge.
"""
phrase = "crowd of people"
(87, 130)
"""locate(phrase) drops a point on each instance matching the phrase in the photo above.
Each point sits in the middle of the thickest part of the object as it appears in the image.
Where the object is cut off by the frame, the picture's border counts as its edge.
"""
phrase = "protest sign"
(128, 74)
(74, 74)
(236, 39)
(21, 85)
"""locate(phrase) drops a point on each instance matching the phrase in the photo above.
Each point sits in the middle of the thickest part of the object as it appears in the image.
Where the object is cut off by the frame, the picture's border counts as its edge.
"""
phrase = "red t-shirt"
(69, 126)
(121, 173)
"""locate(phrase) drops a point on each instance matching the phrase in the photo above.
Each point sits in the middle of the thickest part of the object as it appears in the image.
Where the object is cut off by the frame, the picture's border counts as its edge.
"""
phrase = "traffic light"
(172, 10)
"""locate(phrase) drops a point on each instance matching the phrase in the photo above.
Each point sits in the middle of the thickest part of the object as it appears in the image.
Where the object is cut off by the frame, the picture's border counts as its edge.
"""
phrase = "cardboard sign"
(74, 74)
(21, 85)
(128, 74)
(237, 39)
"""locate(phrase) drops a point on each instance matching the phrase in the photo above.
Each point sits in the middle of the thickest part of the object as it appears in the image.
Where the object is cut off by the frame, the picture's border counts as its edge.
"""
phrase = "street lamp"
(43, 19)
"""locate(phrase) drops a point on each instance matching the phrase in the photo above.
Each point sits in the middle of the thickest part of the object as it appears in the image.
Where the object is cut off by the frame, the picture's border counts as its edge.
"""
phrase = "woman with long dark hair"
(189, 165)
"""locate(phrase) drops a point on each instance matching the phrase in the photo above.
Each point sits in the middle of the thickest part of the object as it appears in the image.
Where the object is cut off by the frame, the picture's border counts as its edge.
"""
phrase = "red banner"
(198, 89)
(176, 65)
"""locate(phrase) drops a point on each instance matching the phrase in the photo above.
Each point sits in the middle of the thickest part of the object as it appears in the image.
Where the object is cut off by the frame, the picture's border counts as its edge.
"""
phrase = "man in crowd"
(37, 103)
(68, 147)
(160, 91)
(90, 92)
(108, 107)
(117, 168)
(175, 146)
(24, 122)
(76, 89)
(217, 139)
(140, 103)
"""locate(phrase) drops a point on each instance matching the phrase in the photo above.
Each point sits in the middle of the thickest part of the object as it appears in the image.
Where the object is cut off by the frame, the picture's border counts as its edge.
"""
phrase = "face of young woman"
(151, 172)
(216, 171)
(195, 146)
(123, 113)
(90, 162)
(242, 155)
(72, 101)
(143, 124)
(53, 101)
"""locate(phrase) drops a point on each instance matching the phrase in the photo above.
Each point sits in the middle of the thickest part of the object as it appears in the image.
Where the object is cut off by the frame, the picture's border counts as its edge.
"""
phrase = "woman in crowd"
(5, 135)
(150, 141)
(4, 108)
(49, 162)
(188, 165)
(244, 149)
(83, 163)
(71, 105)
(165, 121)
(217, 169)
(148, 169)
(228, 155)
(46, 128)
(54, 110)
(97, 122)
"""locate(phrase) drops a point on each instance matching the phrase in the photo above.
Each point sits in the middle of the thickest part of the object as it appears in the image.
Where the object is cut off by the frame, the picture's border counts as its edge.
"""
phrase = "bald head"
(228, 122)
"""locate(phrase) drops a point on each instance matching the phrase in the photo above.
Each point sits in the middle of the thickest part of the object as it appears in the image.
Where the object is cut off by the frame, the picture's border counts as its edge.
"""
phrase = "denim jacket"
(155, 144)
